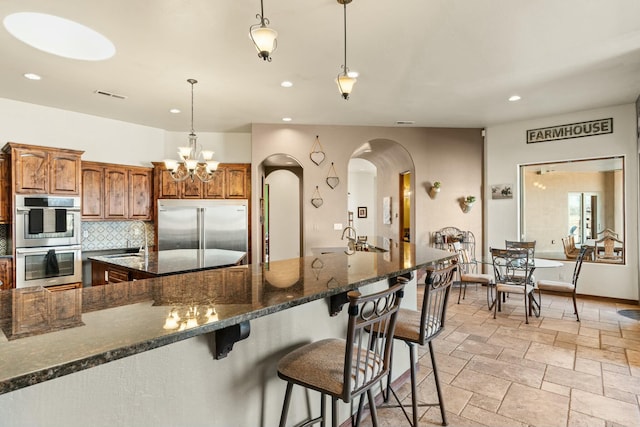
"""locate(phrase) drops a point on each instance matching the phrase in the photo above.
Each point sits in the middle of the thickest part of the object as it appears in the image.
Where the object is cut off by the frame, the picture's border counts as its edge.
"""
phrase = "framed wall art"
(362, 212)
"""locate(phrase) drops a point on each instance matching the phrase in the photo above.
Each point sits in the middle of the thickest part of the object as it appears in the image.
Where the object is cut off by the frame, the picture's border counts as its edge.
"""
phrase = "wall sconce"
(435, 189)
(467, 203)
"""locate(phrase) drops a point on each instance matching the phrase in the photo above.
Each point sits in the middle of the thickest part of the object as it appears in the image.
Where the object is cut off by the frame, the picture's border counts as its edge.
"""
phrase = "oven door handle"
(20, 210)
(40, 250)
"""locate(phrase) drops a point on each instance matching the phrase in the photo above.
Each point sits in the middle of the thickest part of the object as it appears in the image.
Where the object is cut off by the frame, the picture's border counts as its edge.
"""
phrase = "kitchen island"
(134, 266)
(132, 323)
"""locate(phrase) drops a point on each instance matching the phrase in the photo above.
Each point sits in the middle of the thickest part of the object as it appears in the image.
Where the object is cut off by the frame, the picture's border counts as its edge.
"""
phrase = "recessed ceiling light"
(174, 111)
(32, 76)
(59, 36)
(514, 98)
(286, 83)
(286, 119)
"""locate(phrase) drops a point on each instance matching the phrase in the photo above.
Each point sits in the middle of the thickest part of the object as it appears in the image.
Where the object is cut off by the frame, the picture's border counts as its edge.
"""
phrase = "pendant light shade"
(263, 37)
(344, 80)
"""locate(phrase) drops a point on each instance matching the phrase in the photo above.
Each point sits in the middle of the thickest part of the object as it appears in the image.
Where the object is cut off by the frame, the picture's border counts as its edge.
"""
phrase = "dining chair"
(468, 272)
(347, 368)
(570, 249)
(565, 287)
(608, 248)
(512, 269)
(419, 328)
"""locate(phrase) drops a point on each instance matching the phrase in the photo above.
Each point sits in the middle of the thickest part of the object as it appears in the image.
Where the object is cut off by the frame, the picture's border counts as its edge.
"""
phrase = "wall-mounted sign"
(573, 130)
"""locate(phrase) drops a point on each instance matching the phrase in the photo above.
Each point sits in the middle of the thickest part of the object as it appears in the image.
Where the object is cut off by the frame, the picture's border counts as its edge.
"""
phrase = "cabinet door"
(167, 187)
(92, 191)
(237, 182)
(6, 273)
(192, 189)
(214, 189)
(64, 170)
(31, 171)
(5, 191)
(115, 193)
(140, 194)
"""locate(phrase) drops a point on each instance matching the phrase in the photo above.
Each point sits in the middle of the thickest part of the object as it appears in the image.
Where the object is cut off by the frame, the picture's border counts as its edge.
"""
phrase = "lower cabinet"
(6, 273)
(102, 274)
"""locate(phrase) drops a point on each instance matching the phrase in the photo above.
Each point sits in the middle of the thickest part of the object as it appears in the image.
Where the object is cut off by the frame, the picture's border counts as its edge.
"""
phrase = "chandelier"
(263, 37)
(345, 79)
(194, 162)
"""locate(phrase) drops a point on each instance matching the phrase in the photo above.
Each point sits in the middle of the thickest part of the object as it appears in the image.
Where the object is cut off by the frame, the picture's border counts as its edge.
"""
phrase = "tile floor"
(552, 372)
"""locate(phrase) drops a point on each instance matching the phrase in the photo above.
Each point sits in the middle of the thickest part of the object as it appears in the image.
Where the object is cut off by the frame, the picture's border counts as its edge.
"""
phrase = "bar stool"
(421, 327)
(346, 368)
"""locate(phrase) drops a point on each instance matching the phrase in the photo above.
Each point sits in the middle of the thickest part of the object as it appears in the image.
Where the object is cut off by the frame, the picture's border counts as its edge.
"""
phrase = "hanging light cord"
(192, 81)
(345, 38)
(261, 10)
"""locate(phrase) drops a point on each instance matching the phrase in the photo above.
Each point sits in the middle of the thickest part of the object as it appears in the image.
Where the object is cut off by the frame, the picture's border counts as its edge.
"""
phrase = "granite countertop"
(173, 261)
(104, 323)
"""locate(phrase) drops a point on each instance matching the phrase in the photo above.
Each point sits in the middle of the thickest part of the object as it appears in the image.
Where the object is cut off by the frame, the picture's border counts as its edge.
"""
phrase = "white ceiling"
(443, 63)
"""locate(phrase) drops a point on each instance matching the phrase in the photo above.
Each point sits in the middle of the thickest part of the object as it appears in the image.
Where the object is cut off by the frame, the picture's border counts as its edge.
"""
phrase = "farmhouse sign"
(573, 130)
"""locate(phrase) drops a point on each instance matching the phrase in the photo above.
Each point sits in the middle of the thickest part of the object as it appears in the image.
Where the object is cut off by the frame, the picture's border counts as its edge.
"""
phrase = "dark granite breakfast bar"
(120, 320)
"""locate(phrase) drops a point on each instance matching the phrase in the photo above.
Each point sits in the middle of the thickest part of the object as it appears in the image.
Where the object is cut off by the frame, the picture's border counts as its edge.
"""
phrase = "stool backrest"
(576, 270)
(436, 294)
(368, 354)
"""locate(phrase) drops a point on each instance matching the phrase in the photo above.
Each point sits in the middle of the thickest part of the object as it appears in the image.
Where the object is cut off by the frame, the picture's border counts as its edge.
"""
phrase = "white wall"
(506, 149)
(284, 215)
(106, 140)
(362, 186)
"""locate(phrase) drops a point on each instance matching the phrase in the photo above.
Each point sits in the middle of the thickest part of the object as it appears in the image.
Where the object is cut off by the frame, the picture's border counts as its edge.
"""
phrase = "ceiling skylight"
(59, 36)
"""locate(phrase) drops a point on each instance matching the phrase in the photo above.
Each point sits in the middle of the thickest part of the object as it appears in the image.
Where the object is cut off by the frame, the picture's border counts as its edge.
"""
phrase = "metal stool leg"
(414, 394)
(285, 406)
(437, 379)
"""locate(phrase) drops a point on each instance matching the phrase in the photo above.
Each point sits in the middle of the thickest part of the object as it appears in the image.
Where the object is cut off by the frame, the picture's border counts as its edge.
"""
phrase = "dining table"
(535, 264)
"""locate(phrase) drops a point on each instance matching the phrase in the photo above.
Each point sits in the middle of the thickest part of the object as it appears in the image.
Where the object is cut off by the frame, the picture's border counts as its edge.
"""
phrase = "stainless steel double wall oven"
(47, 238)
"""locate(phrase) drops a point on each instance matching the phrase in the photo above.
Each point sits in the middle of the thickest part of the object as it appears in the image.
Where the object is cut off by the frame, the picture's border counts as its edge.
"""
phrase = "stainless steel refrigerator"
(203, 224)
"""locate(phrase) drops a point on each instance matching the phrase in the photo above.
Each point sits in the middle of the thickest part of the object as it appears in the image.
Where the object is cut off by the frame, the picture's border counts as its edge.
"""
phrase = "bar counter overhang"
(125, 319)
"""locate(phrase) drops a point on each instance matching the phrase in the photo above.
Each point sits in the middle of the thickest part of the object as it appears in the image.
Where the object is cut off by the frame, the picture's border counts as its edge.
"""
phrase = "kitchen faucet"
(352, 240)
(145, 248)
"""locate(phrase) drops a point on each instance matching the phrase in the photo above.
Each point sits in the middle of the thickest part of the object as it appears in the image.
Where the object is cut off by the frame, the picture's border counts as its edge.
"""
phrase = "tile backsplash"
(100, 235)
(114, 235)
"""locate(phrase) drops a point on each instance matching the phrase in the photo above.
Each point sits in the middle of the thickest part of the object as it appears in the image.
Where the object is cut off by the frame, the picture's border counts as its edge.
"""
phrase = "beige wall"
(452, 156)
(506, 149)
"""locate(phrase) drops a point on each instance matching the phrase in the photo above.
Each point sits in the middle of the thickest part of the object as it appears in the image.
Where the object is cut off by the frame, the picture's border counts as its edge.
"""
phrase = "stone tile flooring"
(552, 372)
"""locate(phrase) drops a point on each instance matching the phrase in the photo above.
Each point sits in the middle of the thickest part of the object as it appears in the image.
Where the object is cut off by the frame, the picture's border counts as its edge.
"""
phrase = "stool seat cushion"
(408, 326)
(514, 288)
(320, 366)
(477, 278)
(552, 285)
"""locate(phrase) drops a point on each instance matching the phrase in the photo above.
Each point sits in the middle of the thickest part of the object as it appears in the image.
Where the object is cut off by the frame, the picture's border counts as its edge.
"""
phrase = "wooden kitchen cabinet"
(44, 170)
(92, 190)
(230, 181)
(6, 273)
(238, 181)
(140, 180)
(116, 185)
(116, 192)
(5, 190)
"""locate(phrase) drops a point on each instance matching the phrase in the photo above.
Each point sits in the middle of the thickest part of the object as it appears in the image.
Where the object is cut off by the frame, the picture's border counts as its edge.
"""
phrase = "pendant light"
(344, 80)
(263, 37)
(194, 162)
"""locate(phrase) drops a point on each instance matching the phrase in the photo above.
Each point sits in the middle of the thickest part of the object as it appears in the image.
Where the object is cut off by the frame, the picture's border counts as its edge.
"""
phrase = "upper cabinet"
(44, 170)
(5, 191)
(230, 181)
(113, 192)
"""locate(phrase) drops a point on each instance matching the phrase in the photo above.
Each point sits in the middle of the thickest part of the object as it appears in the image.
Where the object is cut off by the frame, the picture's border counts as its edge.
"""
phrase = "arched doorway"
(393, 182)
(282, 236)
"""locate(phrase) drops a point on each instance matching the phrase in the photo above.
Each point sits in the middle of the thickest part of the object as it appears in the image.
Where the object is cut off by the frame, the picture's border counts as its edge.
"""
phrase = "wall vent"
(405, 122)
(112, 95)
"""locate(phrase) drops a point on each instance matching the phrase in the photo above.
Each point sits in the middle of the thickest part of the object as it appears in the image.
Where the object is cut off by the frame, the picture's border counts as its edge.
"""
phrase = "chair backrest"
(511, 265)
(434, 305)
(576, 270)
(530, 246)
(367, 356)
(569, 245)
